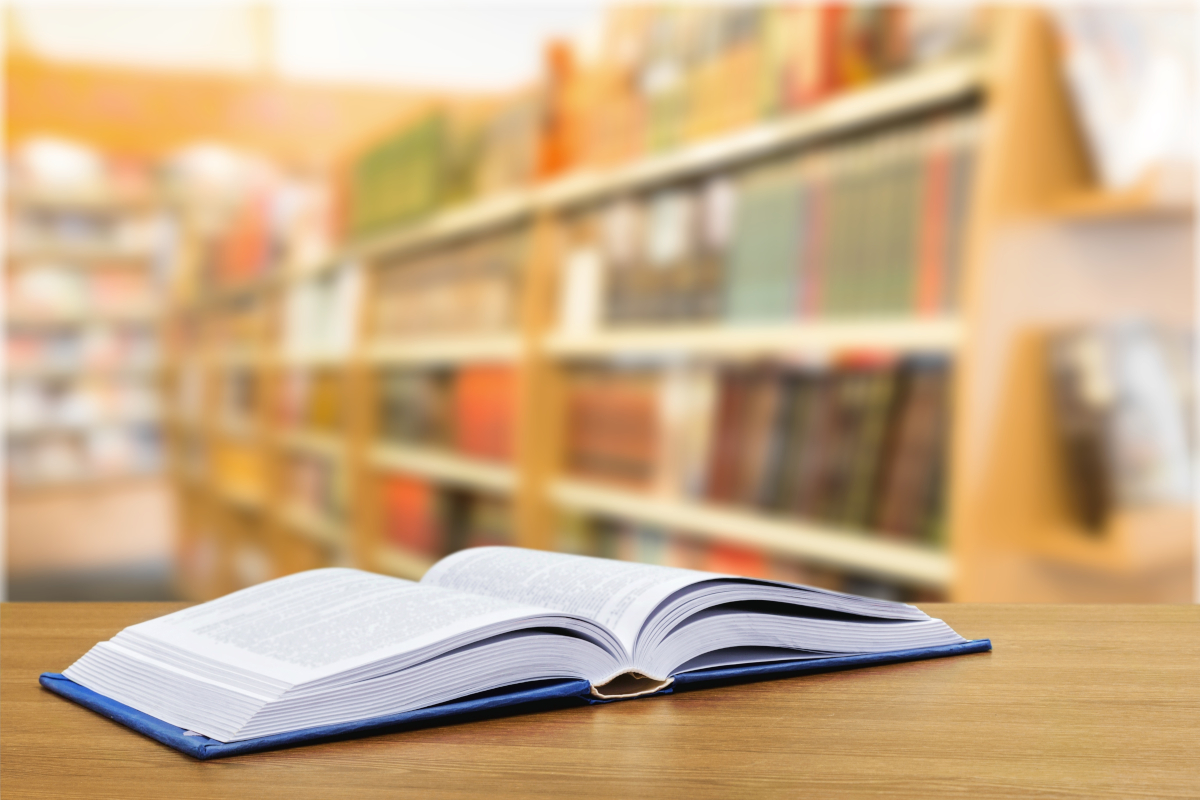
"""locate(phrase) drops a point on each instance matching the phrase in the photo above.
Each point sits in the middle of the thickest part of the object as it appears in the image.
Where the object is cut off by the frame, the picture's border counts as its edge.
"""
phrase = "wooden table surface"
(1075, 701)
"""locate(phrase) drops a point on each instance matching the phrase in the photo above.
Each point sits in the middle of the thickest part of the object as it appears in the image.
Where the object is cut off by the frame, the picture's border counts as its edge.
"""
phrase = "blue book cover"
(525, 698)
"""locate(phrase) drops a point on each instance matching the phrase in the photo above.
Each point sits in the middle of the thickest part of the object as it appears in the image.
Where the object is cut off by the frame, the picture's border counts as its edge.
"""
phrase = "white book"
(338, 646)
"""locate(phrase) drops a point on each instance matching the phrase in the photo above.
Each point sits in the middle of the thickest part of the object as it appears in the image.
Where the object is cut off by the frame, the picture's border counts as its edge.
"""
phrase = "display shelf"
(446, 466)
(84, 317)
(320, 443)
(315, 527)
(402, 564)
(83, 198)
(78, 254)
(241, 498)
(931, 335)
(843, 549)
(314, 360)
(33, 372)
(1133, 540)
(1147, 199)
(499, 347)
(240, 357)
(941, 84)
(937, 85)
(96, 482)
(62, 428)
(487, 214)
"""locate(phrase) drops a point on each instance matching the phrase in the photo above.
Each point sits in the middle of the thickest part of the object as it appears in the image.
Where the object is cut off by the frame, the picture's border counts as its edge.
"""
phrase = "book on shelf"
(874, 226)
(1122, 402)
(464, 289)
(470, 410)
(857, 444)
(424, 519)
(611, 425)
(339, 651)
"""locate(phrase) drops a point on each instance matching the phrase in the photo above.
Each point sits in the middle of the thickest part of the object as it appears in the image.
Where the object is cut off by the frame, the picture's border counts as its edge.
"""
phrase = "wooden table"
(1075, 701)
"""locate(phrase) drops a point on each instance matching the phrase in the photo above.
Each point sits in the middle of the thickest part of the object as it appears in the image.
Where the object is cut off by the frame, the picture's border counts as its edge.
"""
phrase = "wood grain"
(1075, 701)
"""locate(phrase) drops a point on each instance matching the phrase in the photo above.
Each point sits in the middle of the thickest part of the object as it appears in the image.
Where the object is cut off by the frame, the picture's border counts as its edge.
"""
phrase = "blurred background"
(897, 300)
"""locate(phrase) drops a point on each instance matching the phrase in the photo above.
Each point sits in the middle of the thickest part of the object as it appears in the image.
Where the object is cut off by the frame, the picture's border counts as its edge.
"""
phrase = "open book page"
(319, 623)
(617, 594)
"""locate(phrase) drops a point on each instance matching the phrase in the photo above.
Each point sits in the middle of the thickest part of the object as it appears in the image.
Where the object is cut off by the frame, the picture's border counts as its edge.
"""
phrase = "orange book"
(410, 518)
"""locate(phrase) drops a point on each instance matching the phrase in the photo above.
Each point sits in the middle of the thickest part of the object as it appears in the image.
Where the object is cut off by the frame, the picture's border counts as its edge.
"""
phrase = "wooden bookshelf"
(79, 254)
(852, 550)
(935, 86)
(322, 443)
(316, 527)
(905, 335)
(446, 467)
(445, 351)
(1005, 504)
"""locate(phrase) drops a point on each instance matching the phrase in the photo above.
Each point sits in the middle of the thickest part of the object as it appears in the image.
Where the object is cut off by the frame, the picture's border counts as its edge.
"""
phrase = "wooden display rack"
(1006, 496)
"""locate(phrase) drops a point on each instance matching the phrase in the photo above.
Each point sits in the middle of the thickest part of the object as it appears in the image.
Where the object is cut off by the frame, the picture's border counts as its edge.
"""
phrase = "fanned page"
(331, 646)
(620, 595)
(672, 620)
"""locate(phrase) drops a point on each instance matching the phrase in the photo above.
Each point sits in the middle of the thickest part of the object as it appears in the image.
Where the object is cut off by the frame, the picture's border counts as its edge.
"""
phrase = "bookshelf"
(446, 467)
(83, 360)
(825, 336)
(855, 550)
(1030, 167)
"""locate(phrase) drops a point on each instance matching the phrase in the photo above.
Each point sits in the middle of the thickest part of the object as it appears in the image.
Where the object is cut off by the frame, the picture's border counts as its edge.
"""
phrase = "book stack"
(859, 445)
(421, 518)
(612, 426)
(470, 410)
(484, 410)
(871, 227)
(468, 289)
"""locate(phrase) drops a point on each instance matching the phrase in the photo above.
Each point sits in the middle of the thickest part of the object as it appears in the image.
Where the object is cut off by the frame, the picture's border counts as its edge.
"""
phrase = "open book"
(340, 646)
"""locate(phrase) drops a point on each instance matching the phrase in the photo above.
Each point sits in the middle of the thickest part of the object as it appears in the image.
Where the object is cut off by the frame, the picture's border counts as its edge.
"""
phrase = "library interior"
(896, 300)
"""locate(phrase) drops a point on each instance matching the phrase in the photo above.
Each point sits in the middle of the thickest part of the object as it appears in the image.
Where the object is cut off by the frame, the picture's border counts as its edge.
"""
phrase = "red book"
(410, 516)
(484, 408)
(733, 560)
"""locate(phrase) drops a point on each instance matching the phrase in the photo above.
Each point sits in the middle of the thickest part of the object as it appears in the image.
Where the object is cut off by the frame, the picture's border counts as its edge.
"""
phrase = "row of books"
(48, 406)
(859, 445)
(64, 351)
(875, 226)
(424, 519)
(249, 219)
(662, 77)
(472, 288)
(469, 410)
(608, 538)
(110, 451)
(317, 485)
(38, 228)
(313, 399)
(47, 290)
